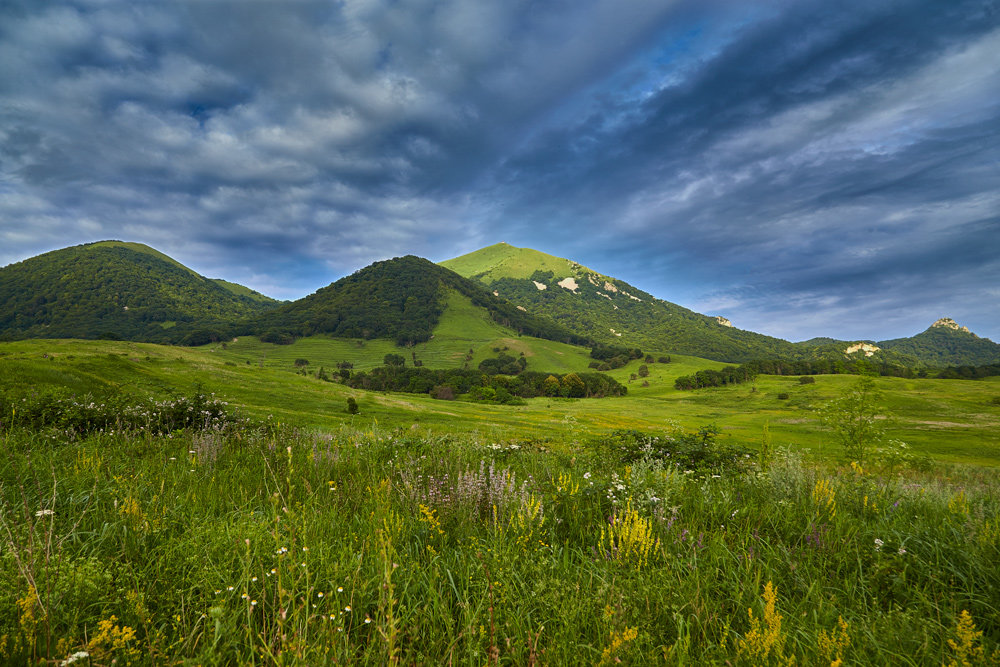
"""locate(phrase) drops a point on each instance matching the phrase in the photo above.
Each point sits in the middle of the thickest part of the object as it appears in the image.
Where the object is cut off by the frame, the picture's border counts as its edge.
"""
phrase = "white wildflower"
(79, 655)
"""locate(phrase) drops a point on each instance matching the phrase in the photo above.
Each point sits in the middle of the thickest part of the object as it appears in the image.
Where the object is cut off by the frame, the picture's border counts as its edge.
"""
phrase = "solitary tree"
(856, 418)
(394, 360)
(573, 386)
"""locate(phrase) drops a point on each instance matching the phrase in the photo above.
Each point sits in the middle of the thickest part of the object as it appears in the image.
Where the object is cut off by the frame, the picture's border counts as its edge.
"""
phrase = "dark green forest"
(941, 346)
(113, 291)
(453, 382)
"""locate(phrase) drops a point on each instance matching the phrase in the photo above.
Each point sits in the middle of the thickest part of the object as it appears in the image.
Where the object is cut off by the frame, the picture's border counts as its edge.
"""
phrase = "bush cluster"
(87, 414)
(696, 451)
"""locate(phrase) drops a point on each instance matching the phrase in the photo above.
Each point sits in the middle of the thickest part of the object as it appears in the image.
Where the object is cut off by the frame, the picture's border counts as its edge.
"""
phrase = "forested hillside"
(401, 299)
(944, 343)
(611, 310)
(115, 290)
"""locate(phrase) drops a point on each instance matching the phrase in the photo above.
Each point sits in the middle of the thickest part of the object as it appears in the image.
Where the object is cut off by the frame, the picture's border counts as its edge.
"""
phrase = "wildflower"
(305, 548)
(368, 620)
(878, 544)
(229, 588)
(320, 594)
(902, 551)
(253, 579)
(347, 608)
(44, 513)
(253, 603)
(217, 592)
(244, 596)
(340, 589)
(274, 571)
(302, 564)
(79, 655)
(586, 475)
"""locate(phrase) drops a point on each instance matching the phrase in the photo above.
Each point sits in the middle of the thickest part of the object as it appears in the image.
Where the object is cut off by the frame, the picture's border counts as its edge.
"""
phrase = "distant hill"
(946, 343)
(115, 289)
(401, 299)
(610, 310)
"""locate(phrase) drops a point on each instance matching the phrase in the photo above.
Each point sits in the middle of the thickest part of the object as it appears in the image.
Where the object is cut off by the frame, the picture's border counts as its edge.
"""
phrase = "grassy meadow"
(263, 524)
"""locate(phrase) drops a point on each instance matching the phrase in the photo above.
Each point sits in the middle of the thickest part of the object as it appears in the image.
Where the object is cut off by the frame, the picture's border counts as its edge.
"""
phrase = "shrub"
(443, 392)
(783, 396)
(697, 451)
(807, 379)
(89, 414)
(277, 337)
(352, 406)
(301, 362)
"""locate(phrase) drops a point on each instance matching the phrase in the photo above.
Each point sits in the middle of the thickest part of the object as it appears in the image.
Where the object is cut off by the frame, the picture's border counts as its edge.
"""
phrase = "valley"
(234, 500)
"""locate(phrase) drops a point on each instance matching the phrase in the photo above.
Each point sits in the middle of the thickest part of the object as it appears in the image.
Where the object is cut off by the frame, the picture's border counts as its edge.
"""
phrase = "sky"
(802, 168)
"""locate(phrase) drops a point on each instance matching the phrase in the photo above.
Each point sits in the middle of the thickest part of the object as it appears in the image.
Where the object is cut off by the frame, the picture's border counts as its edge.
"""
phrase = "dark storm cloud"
(800, 167)
(819, 155)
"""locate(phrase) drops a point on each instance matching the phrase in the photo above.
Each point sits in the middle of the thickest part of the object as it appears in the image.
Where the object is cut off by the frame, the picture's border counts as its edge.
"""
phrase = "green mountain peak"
(116, 289)
(503, 260)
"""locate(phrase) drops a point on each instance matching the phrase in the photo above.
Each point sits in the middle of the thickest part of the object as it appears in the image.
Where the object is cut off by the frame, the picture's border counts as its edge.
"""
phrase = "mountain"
(614, 312)
(946, 343)
(610, 310)
(115, 289)
(401, 299)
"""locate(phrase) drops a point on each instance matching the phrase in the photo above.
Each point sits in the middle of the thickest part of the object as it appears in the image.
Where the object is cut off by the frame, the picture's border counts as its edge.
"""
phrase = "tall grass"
(266, 545)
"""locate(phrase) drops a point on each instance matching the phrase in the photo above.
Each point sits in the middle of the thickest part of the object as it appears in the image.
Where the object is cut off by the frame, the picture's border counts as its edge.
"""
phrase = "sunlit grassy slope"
(950, 420)
(462, 327)
(506, 261)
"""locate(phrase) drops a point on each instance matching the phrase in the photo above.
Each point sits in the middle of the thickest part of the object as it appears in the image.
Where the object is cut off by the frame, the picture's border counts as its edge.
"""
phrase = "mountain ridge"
(400, 298)
(129, 290)
(621, 312)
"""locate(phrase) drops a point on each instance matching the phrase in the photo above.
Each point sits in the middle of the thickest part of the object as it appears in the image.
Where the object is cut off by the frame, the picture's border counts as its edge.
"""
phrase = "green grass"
(261, 545)
(462, 327)
(453, 532)
(948, 420)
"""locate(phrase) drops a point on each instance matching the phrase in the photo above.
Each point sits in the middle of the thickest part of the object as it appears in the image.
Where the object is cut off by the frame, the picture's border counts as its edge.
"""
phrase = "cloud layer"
(802, 168)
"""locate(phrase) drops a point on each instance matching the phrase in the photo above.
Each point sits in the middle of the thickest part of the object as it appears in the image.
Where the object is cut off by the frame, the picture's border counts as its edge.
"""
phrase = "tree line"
(527, 384)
